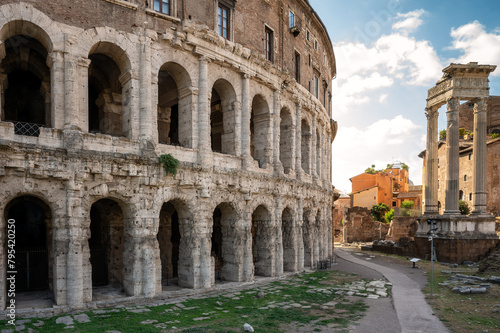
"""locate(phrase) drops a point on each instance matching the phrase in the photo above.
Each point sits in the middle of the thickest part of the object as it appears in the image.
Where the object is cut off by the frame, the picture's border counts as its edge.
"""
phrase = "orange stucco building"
(381, 187)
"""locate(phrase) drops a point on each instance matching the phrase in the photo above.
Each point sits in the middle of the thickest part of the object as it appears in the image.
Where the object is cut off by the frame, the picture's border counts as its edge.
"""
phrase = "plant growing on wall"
(170, 163)
(495, 135)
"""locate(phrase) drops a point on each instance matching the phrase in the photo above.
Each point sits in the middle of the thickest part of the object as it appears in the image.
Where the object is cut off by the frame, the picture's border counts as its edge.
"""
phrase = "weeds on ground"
(295, 302)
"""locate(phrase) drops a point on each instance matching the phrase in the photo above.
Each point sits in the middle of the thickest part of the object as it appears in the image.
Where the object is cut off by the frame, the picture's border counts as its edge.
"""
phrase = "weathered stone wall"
(402, 227)
(360, 227)
(154, 226)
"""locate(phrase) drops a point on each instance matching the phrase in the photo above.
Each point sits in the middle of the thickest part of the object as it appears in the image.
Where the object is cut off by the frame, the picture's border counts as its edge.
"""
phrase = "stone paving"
(228, 298)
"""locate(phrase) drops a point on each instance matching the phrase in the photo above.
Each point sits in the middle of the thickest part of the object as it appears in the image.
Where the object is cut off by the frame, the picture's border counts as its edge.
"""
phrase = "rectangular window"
(316, 45)
(308, 36)
(316, 86)
(162, 6)
(268, 44)
(223, 21)
(470, 196)
(291, 19)
(297, 67)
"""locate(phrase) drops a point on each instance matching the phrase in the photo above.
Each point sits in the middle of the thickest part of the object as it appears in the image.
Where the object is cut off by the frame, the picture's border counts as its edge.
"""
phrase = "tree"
(389, 216)
(371, 170)
(442, 134)
(407, 204)
(378, 211)
(405, 167)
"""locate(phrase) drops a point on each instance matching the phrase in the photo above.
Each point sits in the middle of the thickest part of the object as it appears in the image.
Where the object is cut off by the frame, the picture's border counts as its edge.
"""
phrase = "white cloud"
(391, 58)
(383, 99)
(476, 45)
(378, 143)
(410, 21)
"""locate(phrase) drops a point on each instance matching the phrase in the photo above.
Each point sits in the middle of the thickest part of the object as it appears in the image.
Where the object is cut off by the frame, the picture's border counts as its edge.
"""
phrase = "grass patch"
(286, 305)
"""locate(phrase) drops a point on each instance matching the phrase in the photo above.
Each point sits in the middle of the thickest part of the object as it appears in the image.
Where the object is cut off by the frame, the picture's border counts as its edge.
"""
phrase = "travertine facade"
(104, 87)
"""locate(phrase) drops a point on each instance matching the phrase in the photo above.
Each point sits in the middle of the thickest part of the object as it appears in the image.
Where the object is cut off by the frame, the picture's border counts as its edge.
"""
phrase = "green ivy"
(170, 163)
(495, 135)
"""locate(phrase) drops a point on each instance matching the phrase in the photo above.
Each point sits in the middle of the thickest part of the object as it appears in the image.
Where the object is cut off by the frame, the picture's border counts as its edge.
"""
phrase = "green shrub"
(442, 134)
(463, 206)
(378, 211)
(170, 163)
(495, 135)
(407, 204)
(389, 216)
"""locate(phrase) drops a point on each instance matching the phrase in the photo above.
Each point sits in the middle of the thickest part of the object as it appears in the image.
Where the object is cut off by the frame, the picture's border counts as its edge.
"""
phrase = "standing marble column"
(452, 154)
(479, 157)
(431, 168)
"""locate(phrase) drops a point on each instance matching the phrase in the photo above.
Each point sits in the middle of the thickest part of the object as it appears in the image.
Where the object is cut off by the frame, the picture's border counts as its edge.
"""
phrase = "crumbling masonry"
(94, 91)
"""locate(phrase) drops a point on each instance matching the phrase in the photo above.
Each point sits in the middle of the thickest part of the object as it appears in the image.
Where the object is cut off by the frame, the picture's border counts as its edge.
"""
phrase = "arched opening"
(216, 122)
(169, 240)
(307, 237)
(261, 219)
(29, 233)
(260, 125)
(305, 146)
(106, 244)
(226, 244)
(286, 140)
(26, 89)
(216, 251)
(461, 195)
(168, 109)
(106, 114)
(174, 109)
(288, 236)
(222, 118)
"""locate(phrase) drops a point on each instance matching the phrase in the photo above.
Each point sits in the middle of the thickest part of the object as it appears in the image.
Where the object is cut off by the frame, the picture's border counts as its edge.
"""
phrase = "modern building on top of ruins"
(94, 92)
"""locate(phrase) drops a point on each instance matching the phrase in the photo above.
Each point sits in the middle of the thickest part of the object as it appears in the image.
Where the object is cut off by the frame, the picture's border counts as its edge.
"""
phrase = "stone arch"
(287, 134)
(223, 117)
(174, 113)
(305, 145)
(227, 243)
(107, 244)
(261, 242)
(289, 240)
(26, 84)
(174, 234)
(27, 229)
(108, 109)
(260, 130)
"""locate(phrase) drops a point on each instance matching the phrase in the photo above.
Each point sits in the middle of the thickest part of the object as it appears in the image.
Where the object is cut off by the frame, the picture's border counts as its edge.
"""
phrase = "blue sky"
(389, 53)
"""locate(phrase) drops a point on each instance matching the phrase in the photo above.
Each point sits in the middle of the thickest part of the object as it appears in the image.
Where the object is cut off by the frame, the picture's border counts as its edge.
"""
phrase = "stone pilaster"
(204, 149)
(278, 240)
(83, 101)
(276, 131)
(55, 61)
(146, 106)
(245, 121)
(431, 167)
(298, 141)
(71, 91)
(479, 157)
(300, 241)
(452, 154)
(314, 153)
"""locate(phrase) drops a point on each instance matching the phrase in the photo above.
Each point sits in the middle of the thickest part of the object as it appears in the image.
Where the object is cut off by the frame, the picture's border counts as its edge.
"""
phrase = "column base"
(451, 212)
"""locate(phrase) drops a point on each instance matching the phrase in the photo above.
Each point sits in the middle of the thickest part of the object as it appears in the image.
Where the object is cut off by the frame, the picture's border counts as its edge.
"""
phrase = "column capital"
(479, 105)
(431, 112)
(453, 104)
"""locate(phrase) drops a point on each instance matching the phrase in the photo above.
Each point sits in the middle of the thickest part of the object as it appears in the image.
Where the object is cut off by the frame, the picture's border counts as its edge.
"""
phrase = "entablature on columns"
(460, 81)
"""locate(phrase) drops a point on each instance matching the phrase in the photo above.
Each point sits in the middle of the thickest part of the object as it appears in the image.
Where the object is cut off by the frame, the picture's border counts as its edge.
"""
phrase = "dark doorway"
(169, 240)
(30, 217)
(217, 242)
